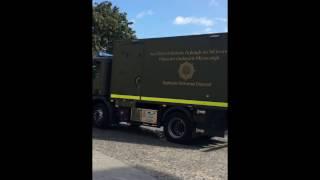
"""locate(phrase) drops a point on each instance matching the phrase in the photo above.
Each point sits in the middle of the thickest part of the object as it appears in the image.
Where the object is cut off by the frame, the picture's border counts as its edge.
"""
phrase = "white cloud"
(213, 3)
(180, 20)
(144, 13)
(221, 19)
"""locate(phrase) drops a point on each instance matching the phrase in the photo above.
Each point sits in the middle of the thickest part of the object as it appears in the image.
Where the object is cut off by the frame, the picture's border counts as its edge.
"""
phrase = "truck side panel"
(189, 68)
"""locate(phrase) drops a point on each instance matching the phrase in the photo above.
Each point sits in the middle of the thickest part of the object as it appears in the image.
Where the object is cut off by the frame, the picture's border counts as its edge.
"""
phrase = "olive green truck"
(178, 83)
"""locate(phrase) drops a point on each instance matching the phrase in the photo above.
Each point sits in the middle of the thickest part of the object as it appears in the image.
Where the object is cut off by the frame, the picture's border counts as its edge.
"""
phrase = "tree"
(109, 24)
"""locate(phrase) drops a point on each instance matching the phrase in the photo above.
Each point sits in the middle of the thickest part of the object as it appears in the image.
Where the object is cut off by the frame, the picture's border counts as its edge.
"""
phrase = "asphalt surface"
(107, 168)
(146, 150)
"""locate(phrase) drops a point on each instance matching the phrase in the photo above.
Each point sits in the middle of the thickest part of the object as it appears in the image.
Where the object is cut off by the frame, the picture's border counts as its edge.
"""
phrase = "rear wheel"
(178, 128)
(102, 115)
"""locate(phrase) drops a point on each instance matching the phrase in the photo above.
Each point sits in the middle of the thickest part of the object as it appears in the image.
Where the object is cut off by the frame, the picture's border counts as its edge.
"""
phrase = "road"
(146, 150)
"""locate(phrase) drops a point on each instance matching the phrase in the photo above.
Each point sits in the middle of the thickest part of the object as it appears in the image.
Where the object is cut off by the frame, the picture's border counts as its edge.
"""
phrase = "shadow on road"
(142, 135)
(125, 174)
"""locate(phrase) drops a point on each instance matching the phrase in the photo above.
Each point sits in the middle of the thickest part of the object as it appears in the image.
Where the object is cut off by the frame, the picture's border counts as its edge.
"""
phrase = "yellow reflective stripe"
(119, 96)
(184, 101)
(170, 100)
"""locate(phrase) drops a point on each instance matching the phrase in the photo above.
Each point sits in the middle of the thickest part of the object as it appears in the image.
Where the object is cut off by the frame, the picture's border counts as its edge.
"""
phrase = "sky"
(165, 18)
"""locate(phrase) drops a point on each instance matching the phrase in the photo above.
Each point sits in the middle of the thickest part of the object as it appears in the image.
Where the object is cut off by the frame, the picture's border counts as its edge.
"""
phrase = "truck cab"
(101, 76)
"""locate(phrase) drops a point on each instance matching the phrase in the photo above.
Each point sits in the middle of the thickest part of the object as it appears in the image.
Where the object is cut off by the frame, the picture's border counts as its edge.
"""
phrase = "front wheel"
(178, 128)
(101, 115)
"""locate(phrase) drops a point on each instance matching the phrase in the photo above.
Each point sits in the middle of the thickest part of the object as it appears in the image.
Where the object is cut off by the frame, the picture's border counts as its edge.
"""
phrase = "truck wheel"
(101, 115)
(178, 128)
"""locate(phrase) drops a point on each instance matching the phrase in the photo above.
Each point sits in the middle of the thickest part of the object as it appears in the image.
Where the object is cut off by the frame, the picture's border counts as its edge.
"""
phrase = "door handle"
(137, 81)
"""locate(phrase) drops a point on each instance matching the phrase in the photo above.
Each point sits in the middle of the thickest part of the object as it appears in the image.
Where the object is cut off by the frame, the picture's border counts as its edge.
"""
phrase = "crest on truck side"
(186, 71)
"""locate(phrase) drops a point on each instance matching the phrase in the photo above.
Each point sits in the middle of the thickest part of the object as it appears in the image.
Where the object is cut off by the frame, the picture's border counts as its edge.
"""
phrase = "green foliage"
(109, 24)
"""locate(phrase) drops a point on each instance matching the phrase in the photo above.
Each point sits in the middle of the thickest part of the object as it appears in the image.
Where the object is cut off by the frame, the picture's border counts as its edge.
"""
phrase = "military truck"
(178, 83)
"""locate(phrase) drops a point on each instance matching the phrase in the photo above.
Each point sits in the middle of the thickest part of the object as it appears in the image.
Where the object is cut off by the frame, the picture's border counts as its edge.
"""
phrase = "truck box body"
(184, 70)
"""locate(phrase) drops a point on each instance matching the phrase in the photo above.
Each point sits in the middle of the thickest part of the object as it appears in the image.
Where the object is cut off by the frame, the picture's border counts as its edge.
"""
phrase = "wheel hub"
(97, 115)
(177, 128)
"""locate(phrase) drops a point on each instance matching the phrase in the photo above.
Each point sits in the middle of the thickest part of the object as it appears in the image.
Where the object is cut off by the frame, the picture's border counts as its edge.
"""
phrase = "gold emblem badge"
(186, 71)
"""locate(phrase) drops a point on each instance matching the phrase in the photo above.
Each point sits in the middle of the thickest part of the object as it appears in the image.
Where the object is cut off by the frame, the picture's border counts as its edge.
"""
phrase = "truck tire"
(102, 115)
(178, 128)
